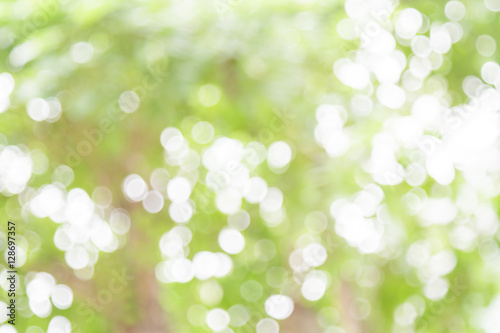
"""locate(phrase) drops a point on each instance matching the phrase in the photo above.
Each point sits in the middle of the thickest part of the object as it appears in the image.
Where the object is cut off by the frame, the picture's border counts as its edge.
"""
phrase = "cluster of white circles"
(174, 246)
(41, 289)
(229, 164)
(218, 320)
(446, 139)
(356, 223)
(40, 109)
(58, 324)
(83, 231)
(429, 112)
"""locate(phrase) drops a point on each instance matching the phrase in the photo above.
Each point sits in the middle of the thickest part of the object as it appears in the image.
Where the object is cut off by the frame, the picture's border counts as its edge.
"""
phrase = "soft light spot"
(267, 325)
(455, 10)
(408, 23)
(134, 187)
(202, 132)
(486, 45)
(153, 202)
(81, 52)
(128, 101)
(209, 95)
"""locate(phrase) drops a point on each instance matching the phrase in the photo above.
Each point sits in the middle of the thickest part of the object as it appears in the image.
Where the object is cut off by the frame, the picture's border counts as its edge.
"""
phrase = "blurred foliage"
(271, 63)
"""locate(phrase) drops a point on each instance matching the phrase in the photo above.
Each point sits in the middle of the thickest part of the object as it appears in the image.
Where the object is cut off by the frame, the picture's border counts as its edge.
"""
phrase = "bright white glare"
(391, 95)
(101, 234)
(41, 309)
(352, 74)
(228, 201)
(314, 254)
(40, 288)
(178, 189)
(438, 211)
(279, 306)
(15, 170)
(79, 207)
(231, 241)
(206, 264)
(223, 154)
(6, 84)
(272, 201)
(279, 155)
(381, 43)
(49, 200)
(255, 190)
(440, 40)
(355, 8)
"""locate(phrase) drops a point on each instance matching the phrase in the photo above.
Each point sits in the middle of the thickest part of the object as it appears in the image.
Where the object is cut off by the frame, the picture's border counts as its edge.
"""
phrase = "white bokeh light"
(231, 241)
(279, 306)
